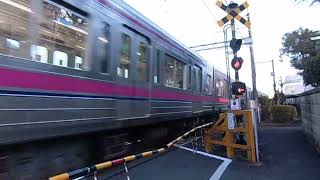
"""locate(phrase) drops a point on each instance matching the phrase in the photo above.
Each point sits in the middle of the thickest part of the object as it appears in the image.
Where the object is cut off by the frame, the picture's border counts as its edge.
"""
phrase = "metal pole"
(274, 79)
(256, 113)
(253, 68)
(225, 31)
(233, 28)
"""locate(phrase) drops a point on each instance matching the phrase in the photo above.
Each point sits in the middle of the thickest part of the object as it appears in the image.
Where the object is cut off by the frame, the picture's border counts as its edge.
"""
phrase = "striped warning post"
(105, 165)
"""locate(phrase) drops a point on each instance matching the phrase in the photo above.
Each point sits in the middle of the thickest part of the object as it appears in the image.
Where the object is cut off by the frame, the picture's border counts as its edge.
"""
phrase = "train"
(86, 80)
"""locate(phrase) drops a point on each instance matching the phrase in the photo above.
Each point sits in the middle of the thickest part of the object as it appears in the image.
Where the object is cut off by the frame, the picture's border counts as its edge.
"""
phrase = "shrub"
(283, 113)
(265, 103)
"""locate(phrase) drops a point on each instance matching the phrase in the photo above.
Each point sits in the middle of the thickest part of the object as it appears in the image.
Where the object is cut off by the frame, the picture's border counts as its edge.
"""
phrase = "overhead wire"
(209, 10)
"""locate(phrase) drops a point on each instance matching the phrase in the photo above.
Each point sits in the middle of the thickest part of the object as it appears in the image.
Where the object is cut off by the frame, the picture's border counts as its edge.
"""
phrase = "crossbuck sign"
(233, 11)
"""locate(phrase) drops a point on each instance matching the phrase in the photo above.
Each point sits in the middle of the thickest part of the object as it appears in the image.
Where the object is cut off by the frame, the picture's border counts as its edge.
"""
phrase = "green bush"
(283, 113)
(265, 103)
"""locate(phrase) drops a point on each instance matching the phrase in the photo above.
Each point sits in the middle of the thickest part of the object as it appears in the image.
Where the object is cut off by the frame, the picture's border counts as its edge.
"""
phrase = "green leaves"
(303, 54)
(311, 71)
(312, 2)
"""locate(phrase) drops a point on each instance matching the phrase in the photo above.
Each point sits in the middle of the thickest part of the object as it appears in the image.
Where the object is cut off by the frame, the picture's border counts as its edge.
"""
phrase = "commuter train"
(84, 80)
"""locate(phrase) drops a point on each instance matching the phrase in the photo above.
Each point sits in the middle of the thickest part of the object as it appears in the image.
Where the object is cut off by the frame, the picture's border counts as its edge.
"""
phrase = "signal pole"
(233, 28)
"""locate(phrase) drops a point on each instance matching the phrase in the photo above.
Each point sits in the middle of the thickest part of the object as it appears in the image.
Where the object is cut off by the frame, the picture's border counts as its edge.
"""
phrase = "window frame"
(142, 40)
(131, 61)
(195, 89)
(108, 48)
(209, 78)
(174, 57)
(27, 63)
(86, 61)
(156, 66)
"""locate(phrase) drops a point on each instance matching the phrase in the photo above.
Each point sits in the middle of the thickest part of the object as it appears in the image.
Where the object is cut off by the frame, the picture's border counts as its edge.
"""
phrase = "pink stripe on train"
(40, 81)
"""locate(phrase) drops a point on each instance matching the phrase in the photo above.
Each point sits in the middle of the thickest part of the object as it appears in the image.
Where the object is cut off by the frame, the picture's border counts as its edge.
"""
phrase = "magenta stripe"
(40, 81)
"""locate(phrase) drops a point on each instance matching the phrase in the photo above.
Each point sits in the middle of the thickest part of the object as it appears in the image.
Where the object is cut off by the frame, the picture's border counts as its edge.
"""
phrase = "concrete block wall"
(310, 114)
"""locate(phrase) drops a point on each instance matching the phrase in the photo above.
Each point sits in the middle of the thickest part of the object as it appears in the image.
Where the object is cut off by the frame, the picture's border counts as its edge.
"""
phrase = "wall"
(310, 114)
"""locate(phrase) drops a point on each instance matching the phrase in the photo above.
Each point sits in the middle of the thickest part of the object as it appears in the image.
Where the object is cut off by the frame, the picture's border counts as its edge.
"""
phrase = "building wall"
(294, 85)
(310, 114)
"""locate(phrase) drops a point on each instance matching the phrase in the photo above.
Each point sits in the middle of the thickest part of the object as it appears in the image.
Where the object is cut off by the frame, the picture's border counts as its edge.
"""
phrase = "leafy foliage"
(311, 1)
(283, 113)
(266, 104)
(304, 54)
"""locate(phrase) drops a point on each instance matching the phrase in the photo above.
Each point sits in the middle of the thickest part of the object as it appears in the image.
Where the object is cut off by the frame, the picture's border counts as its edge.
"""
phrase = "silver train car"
(83, 76)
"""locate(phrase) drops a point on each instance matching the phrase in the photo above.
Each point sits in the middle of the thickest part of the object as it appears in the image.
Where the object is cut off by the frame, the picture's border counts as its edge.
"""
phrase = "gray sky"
(193, 22)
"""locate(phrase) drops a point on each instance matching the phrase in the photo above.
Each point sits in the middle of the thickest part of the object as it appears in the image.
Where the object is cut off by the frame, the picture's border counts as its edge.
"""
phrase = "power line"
(221, 42)
(219, 47)
(201, 45)
(205, 4)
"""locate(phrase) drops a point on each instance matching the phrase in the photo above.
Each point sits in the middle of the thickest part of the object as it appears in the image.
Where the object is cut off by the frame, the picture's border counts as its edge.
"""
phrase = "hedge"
(265, 103)
(283, 113)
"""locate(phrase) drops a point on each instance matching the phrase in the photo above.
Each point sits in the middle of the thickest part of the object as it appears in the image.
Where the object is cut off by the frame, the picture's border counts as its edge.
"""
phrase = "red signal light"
(236, 63)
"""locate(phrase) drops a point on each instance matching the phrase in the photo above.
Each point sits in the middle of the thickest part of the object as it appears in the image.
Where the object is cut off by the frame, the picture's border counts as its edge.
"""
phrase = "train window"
(103, 47)
(175, 73)
(78, 62)
(60, 58)
(220, 88)
(125, 56)
(189, 77)
(64, 33)
(15, 20)
(156, 68)
(198, 78)
(225, 88)
(13, 44)
(143, 57)
(207, 86)
(39, 53)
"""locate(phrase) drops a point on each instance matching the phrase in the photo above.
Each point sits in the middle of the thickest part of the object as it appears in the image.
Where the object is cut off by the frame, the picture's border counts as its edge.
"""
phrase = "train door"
(141, 82)
(197, 88)
(125, 73)
(132, 75)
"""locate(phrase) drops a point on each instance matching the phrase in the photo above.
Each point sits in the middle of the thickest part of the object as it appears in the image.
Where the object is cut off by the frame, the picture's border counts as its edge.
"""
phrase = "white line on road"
(218, 173)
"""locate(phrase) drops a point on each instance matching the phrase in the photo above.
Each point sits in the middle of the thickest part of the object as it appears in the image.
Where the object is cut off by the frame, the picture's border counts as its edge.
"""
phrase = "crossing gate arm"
(105, 165)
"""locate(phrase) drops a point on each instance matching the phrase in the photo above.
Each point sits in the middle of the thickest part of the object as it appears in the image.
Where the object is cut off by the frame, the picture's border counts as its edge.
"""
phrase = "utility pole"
(253, 67)
(274, 80)
(281, 84)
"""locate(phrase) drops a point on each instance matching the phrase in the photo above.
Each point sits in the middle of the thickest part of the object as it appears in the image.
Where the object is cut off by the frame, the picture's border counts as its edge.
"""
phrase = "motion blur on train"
(83, 81)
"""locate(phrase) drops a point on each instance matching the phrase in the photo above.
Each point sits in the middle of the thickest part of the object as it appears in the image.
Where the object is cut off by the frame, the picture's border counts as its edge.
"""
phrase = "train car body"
(81, 66)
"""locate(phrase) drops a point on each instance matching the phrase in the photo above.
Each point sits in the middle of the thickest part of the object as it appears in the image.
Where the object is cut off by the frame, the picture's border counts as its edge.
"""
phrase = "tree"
(312, 1)
(303, 53)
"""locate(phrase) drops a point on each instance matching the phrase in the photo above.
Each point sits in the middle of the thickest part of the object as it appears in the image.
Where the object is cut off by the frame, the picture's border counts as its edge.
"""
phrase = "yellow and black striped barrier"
(105, 165)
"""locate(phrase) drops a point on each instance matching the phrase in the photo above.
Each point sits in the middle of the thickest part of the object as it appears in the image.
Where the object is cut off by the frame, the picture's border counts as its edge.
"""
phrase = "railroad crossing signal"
(236, 63)
(235, 44)
(238, 88)
(233, 11)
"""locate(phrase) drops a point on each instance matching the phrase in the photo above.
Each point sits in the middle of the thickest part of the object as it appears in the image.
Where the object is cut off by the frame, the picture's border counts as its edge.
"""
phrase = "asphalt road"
(176, 164)
(285, 155)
